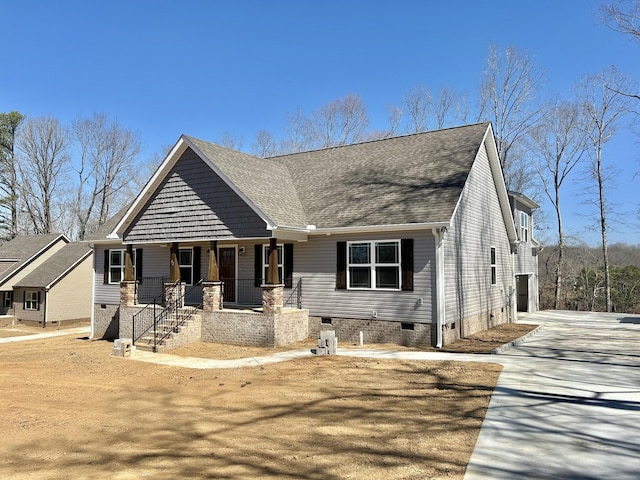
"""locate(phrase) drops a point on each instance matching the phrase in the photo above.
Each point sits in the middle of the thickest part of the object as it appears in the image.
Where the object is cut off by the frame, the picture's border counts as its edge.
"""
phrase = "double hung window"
(524, 226)
(373, 264)
(185, 261)
(31, 300)
(494, 267)
(117, 264)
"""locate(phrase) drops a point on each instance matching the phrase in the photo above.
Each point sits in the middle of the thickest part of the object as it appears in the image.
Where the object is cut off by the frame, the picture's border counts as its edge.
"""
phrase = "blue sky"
(208, 67)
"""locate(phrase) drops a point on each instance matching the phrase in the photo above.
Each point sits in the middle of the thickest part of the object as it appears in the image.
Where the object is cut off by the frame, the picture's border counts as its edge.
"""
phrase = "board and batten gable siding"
(315, 263)
(70, 298)
(155, 263)
(8, 285)
(194, 203)
(477, 226)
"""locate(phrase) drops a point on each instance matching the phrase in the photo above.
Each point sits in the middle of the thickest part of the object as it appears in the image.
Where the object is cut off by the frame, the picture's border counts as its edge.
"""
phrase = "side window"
(8, 299)
(494, 268)
(116, 265)
(374, 265)
(524, 226)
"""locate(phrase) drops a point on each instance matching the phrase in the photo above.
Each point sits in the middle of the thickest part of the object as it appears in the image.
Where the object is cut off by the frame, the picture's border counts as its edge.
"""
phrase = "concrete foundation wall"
(374, 331)
(473, 324)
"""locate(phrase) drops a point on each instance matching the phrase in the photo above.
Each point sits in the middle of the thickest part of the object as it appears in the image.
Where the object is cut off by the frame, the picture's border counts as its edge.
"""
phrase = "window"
(374, 264)
(524, 226)
(31, 300)
(117, 264)
(185, 261)
(265, 268)
(494, 269)
(8, 299)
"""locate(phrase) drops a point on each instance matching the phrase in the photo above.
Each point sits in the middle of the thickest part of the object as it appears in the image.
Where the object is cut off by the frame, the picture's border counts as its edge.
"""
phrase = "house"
(408, 239)
(46, 279)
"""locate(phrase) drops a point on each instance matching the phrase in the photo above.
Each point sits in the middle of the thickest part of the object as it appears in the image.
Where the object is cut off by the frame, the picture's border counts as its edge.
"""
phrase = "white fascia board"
(150, 187)
(498, 179)
(270, 225)
(379, 228)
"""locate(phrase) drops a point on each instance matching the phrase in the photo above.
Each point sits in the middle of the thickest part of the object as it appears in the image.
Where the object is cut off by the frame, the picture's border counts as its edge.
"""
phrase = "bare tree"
(9, 123)
(42, 143)
(623, 17)
(604, 110)
(558, 145)
(442, 105)
(265, 145)
(107, 155)
(417, 103)
(508, 97)
(231, 140)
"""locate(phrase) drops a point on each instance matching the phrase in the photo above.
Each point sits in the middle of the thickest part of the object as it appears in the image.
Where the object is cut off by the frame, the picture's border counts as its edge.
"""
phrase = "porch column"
(213, 274)
(128, 264)
(174, 275)
(272, 290)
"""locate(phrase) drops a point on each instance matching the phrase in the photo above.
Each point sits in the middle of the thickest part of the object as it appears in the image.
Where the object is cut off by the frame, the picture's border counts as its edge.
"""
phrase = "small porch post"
(272, 290)
(212, 287)
(128, 290)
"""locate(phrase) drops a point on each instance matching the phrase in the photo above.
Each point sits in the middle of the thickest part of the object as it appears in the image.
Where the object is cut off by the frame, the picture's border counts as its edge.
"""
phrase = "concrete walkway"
(48, 334)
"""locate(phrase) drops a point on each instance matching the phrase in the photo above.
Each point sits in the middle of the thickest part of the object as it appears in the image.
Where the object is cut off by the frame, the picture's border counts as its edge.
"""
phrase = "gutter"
(439, 233)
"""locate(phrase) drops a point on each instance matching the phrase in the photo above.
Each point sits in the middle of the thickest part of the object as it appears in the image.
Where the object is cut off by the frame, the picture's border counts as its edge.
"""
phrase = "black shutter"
(406, 245)
(139, 264)
(257, 266)
(24, 299)
(38, 305)
(105, 276)
(288, 265)
(196, 265)
(341, 266)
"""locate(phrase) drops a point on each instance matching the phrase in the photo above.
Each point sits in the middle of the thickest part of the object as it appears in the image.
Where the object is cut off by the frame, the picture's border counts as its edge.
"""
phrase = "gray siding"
(315, 263)
(526, 259)
(477, 226)
(194, 203)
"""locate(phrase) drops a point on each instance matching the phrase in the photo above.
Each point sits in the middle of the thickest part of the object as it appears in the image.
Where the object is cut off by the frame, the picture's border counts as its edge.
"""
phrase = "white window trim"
(123, 252)
(180, 265)
(372, 265)
(265, 261)
(493, 252)
(31, 303)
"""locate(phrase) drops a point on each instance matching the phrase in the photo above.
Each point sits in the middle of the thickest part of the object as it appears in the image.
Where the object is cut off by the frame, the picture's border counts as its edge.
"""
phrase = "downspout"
(438, 233)
(46, 307)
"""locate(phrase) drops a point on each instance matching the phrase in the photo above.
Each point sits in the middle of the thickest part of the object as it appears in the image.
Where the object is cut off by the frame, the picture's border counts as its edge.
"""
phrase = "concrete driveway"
(567, 405)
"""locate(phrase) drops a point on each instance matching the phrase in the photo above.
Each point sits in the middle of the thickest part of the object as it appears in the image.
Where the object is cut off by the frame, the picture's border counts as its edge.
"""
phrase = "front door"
(227, 266)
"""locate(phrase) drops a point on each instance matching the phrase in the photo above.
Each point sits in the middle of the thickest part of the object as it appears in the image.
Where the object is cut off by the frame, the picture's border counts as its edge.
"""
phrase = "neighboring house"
(408, 239)
(59, 290)
(526, 258)
(19, 257)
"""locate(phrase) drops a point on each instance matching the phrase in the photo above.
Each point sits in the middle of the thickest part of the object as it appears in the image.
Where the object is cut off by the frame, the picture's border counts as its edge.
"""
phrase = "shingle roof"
(24, 248)
(266, 183)
(409, 179)
(65, 258)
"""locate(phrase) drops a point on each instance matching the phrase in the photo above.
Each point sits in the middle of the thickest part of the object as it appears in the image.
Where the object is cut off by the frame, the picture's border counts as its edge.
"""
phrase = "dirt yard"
(70, 410)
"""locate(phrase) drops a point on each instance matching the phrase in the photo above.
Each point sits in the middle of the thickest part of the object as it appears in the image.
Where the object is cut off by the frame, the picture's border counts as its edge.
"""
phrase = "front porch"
(180, 315)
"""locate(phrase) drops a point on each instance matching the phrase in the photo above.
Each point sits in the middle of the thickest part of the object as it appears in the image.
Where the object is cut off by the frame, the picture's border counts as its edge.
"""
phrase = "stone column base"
(272, 299)
(128, 293)
(211, 296)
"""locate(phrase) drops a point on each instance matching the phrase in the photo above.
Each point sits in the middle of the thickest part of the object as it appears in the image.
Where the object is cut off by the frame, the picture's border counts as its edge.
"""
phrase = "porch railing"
(244, 292)
(162, 322)
(150, 289)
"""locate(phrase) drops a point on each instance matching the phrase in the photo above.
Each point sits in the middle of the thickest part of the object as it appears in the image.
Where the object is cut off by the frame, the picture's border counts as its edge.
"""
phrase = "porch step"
(171, 331)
